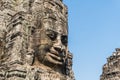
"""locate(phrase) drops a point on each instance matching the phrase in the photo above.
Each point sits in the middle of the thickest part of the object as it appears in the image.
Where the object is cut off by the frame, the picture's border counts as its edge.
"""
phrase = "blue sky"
(94, 33)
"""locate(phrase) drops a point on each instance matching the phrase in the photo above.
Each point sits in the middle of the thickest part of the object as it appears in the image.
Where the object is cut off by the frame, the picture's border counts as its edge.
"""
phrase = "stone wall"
(34, 40)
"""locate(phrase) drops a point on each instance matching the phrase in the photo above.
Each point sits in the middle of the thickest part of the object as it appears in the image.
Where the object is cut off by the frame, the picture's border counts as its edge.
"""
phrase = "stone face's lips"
(55, 56)
(54, 59)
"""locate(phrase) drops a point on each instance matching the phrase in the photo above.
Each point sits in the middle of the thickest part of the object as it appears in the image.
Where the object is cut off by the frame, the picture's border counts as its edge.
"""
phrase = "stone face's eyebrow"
(52, 30)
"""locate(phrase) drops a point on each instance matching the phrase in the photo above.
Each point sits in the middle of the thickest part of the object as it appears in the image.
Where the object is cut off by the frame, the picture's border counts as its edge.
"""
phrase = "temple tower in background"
(111, 70)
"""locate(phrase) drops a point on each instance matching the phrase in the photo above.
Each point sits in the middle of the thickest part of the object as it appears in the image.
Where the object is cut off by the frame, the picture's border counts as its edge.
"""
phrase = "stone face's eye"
(64, 39)
(52, 35)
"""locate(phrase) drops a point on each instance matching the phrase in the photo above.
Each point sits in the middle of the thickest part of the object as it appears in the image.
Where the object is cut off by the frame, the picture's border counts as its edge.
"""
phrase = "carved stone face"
(52, 50)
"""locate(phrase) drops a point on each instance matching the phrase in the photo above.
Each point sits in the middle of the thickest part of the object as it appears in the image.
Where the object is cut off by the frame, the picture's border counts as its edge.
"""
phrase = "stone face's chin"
(50, 57)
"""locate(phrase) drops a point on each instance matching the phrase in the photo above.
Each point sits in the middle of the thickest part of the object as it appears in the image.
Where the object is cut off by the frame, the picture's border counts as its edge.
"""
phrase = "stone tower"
(111, 70)
(34, 40)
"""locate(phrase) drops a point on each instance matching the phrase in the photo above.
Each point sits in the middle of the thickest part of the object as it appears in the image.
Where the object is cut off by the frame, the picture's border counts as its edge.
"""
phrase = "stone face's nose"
(58, 46)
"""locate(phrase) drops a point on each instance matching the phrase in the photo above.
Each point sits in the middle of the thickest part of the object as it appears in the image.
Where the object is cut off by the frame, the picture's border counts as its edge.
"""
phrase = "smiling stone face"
(52, 50)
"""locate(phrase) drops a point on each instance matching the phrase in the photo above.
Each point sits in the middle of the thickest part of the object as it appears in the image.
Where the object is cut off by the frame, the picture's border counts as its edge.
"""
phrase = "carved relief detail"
(34, 40)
